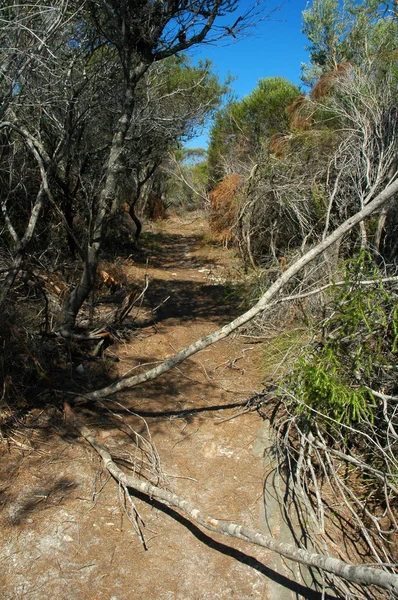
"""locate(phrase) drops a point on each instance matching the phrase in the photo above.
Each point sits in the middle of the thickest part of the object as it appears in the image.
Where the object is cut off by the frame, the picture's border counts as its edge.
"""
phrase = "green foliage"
(263, 112)
(324, 25)
(187, 179)
(279, 352)
(322, 388)
(200, 174)
(312, 160)
(189, 86)
(242, 127)
(320, 200)
(358, 346)
(348, 31)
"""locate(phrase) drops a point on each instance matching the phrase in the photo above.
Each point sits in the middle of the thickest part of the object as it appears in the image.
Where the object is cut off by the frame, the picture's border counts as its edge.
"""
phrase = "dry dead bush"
(327, 82)
(224, 207)
(156, 209)
(26, 358)
(279, 144)
(301, 118)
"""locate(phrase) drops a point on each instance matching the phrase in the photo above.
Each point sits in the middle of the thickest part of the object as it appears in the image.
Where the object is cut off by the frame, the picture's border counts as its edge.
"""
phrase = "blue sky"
(275, 47)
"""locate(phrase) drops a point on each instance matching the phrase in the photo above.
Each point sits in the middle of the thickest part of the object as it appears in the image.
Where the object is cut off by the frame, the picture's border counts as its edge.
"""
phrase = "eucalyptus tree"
(353, 69)
(27, 34)
(331, 151)
(244, 127)
(187, 178)
(173, 100)
(240, 142)
(348, 31)
(310, 179)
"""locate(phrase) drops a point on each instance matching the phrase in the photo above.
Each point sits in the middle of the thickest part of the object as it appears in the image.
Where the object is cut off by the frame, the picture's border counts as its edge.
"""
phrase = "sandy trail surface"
(64, 531)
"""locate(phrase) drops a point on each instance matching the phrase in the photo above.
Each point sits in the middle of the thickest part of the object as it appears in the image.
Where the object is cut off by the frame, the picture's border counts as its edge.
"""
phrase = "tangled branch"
(360, 574)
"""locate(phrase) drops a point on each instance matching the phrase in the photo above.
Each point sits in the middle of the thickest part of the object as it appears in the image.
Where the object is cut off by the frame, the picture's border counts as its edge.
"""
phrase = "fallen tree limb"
(131, 300)
(358, 574)
(261, 305)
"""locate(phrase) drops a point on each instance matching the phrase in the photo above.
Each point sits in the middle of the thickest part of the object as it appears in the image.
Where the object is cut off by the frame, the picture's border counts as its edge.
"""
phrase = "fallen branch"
(358, 574)
(261, 306)
(383, 477)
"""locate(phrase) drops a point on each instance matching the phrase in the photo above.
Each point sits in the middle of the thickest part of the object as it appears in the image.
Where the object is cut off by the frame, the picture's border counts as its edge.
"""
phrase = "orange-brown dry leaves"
(107, 280)
(279, 144)
(156, 210)
(300, 118)
(327, 81)
(224, 207)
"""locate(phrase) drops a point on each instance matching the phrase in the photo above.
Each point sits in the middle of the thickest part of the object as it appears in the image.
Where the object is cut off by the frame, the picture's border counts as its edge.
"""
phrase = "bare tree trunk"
(136, 220)
(80, 293)
(380, 228)
(9, 281)
(364, 236)
(21, 244)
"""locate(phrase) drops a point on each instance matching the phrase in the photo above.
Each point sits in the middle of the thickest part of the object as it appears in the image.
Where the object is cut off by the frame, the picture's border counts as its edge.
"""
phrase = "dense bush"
(355, 353)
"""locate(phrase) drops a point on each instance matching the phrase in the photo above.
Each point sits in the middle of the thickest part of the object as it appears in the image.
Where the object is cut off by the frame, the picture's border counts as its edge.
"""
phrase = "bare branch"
(360, 574)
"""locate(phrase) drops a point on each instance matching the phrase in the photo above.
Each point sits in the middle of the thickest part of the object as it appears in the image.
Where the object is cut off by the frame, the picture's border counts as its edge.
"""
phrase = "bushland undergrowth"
(337, 420)
(355, 352)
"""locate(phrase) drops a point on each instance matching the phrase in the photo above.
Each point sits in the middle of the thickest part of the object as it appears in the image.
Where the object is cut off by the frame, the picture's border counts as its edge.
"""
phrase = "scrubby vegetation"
(311, 161)
(89, 116)
(96, 100)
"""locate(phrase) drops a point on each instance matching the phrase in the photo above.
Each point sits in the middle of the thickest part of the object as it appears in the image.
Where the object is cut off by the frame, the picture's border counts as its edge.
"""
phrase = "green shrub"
(356, 351)
(321, 387)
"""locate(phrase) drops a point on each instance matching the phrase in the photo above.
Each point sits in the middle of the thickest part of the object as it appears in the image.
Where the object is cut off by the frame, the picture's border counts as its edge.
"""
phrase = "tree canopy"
(243, 127)
(348, 31)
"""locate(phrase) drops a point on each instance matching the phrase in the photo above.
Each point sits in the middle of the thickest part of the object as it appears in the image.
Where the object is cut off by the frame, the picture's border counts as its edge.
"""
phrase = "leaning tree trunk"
(142, 180)
(80, 293)
(136, 220)
(22, 244)
(359, 574)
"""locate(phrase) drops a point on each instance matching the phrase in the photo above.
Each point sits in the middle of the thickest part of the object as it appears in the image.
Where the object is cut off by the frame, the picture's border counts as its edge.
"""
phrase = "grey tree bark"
(81, 292)
(22, 243)
(144, 37)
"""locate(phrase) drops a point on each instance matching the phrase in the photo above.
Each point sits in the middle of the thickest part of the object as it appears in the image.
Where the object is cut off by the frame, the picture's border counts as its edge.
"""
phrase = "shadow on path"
(190, 300)
(302, 591)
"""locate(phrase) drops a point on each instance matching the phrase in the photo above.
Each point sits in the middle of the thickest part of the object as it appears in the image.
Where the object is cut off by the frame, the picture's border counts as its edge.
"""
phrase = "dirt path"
(65, 534)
